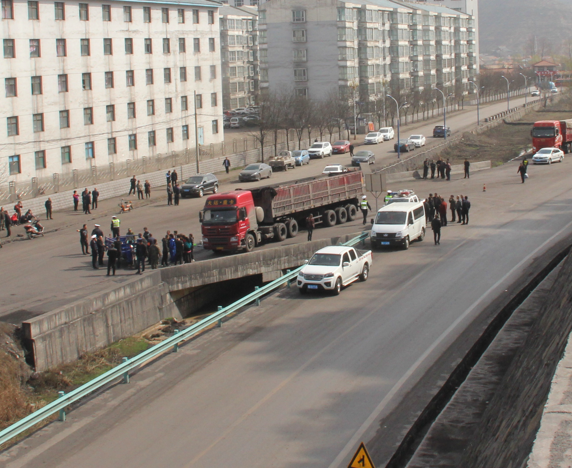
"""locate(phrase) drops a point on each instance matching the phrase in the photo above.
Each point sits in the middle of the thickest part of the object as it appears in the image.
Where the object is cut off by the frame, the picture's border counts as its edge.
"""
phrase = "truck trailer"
(552, 134)
(243, 219)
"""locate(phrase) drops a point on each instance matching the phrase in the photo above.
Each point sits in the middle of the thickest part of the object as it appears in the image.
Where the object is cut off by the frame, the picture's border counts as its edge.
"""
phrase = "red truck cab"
(552, 134)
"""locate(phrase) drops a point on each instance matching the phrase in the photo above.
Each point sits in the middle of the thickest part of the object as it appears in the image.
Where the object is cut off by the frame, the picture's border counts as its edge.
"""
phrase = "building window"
(61, 49)
(148, 46)
(128, 46)
(86, 81)
(299, 35)
(65, 119)
(130, 110)
(184, 103)
(89, 150)
(109, 79)
(211, 16)
(300, 74)
(301, 92)
(151, 138)
(62, 83)
(199, 101)
(127, 14)
(166, 45)
(181, 15)
(215, 127)
(7, 9)
(146, 14)
(149, 76)
(167, 75)
(211, 44)
(214, 100)
(170, 136)
(83, 12)
(168, 105)
(111, 146)
(182, 45)
(9, 50)
(85, 47)
(107, 47)
(299, 55)
(38, 123)
(11, 88)
(14, 163)
(88, 116)
(185, 132)
(151, 107)
(130, 78)
(196, 44)
(110, 112)
(35, 48)
(165, 15)
(12, 124)
(40, 157)
(195, 16)
(298, 16)
(33, 12)
(132, 142)
(197, 73)
(213, 72)
(60, 11)
(36, 85)
(106, 12)
(183, 74)
(66, 155)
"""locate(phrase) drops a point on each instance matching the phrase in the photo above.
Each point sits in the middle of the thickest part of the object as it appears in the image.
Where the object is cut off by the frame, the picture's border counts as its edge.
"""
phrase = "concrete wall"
(455, 169)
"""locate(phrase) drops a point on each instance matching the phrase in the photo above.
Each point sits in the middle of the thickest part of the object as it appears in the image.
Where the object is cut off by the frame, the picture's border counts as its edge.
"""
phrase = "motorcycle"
(34, 229)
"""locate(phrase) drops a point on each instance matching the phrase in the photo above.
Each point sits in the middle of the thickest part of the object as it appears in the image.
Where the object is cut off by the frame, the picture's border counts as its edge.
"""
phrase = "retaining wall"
(418, 174)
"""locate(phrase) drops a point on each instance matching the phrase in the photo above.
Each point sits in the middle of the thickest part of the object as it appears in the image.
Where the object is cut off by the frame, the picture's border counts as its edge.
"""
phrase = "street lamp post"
(507, 92)
(444, 113)
(478, 101)
(525, 88)
(398, 107)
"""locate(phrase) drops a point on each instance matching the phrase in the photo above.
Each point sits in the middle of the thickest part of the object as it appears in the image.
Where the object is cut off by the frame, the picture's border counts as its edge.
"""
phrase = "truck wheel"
(352, 212)
(422, 235)
(329, 218)
(280, 232)
(292, 227)
(406, 243)
(249, 243)
(364, 273)
(337, 287)
(341, 215)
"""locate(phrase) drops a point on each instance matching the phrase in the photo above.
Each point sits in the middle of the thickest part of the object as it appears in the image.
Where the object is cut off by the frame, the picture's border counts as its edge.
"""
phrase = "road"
(43, 274)
(301, 380)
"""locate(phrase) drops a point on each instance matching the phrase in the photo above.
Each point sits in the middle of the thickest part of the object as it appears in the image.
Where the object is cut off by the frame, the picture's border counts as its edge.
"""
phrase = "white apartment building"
(241, 3)
(90, 84)
(239, 53)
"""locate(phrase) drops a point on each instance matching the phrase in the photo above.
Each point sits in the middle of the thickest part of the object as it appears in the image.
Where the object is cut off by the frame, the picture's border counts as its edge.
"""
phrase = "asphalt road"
(301, 380)
(46, 273)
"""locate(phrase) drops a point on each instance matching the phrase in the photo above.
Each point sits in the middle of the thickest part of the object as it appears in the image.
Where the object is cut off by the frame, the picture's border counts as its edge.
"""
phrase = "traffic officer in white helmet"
(364, 207)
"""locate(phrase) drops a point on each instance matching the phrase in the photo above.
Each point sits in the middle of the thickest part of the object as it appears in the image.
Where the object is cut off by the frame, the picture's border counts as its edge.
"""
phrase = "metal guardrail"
(172, 343)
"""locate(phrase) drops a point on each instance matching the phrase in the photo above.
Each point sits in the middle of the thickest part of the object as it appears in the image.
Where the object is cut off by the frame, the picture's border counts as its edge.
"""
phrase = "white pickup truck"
(332, 268)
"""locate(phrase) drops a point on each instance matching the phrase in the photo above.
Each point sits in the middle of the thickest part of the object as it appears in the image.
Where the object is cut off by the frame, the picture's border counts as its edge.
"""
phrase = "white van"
(235, 122)
(398, 224)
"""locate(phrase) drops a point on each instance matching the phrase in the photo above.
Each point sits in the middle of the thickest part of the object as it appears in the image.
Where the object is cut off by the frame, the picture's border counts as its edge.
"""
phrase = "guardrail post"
(256, 288)
(125, 374)
(219, 323)
(288, 282)
(176, 345)
(62, 416)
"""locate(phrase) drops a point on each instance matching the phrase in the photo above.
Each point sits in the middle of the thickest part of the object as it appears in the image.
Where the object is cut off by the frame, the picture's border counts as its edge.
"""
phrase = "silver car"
(255, 172)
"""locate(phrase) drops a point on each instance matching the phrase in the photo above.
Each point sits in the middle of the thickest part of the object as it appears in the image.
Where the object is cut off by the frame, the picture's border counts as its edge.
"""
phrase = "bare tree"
(268, 104)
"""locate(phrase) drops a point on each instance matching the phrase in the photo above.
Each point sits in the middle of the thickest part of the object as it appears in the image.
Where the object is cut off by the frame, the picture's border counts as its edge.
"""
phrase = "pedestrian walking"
(467, 169)
(115, 226)
(174, 177)
(310, 225)
(443, 212)
(433, 169)
(94, 198)
(140, 195)
(448, 170)
(466, 208)
(522, 171)
(351, 149)
(169, 195)
(147, 189)
(133, 186)
(459, 207)
(100, 250)
(75, 200)
(154, 254)
(425, 168)
(452, 207)
(141, 255)
(364, 207)
(436, 226)
(83, 239)
(177, 194)
(226, 164)
(112, 256)
(48, 206)
(165, 257)
(94, 252)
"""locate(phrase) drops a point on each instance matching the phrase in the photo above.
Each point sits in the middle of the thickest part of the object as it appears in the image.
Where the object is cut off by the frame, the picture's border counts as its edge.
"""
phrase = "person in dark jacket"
(112, 256)
(179, 249)
(83, 240)
(433, 169)
(431, 205)
(48, 206)
(448, 170)
(310, 225)
(100, 250)
(425, 168)
(436, 226)
(177, 193)
(443, 212)
(94, 252)
(154, 254)
(87, 202)
(522, 171)
(174, 177)
(94, 198)
(133, 186)
(452, 207)
(459, 206)
(165, 258)
(466, 208)
(467, 169)
(7, 223)
(141, 254)
(169, 195)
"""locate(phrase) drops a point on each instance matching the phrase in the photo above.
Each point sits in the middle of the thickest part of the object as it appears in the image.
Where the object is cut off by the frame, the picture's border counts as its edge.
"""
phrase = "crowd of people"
(436, 211)
(143, 190)
(443, 169)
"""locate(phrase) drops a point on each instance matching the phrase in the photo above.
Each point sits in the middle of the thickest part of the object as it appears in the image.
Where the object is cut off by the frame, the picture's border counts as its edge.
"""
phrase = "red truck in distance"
(552, 134)
(240, 220)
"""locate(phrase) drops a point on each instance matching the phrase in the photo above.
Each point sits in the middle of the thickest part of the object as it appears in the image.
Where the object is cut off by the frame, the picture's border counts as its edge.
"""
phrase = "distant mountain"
(514, 23)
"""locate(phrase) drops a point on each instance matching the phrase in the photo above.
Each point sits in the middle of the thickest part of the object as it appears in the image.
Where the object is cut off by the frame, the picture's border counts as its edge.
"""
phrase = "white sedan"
(373, 138)
(419, 140)
(548, 156)
(334, 169)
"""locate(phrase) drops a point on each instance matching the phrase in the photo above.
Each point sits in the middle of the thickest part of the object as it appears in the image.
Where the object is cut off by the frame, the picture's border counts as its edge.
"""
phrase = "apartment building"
(239, 53)
(90, 84)
(376, 46)
(241, 3)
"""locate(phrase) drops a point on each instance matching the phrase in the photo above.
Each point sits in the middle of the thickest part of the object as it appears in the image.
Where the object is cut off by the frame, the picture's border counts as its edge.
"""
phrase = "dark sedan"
(199, 184)
(363, 157)
(439, 131)
(405, 146)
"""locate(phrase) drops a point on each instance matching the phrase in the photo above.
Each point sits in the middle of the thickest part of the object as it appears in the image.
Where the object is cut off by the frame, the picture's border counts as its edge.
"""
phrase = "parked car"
(554, 91)
(405, 146)
(387, 132)
(548, 156)
(283, 161)
(199, 184)
(335, 169)
(255, 172)
(235, 122)
(419, 140)
(239, 110)
(439, 131)
(320, 149)
(535, 93)
(373, 138)
(301, 157)
(341, 146)
(398, 224)
(363, 157)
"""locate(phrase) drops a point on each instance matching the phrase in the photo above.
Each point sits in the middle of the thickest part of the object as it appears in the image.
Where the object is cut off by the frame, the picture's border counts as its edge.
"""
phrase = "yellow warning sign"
(361, 459)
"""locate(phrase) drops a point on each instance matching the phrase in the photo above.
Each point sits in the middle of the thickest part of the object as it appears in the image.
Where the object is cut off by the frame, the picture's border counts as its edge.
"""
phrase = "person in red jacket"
(443, 212)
